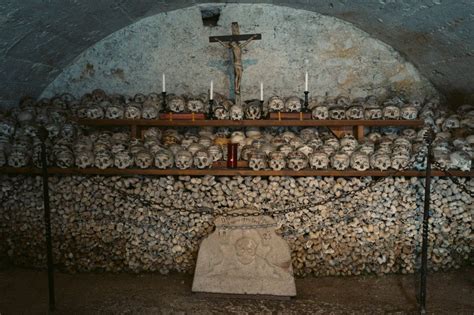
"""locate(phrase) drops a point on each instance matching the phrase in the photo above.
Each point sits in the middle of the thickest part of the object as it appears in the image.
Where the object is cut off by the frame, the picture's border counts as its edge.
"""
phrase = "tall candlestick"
(211, 92)
(164, 83)
(261, 91)
(306, 81)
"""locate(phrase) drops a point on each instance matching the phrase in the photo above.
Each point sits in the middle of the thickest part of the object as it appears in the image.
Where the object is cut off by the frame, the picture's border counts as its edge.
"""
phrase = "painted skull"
(320, 112)
(337, 113)
(149, 112)
(373, 113)
(123, 160)
(133, 111)
(183, 159)
(84, 159)
(340, 161)
(95, 112)
(143, 159)
(319, 160)
(276, 104)
(360, 161)
(409, 112)
(257, 161)
(293, 104)
(297, 160)
(103, 160)
(391, 112)
(202, 159)
(195, 105)
(253, 110)
(215, 153)
(114, 111)
(461, 160)
(355, 112)
(18, 158)
(367, 147)
(277, 161)
(176, 104)
(399, 160)
(236, 112)
(220, 112)
(65, 159)
(164, 159)
(380, 160)
(451, 122)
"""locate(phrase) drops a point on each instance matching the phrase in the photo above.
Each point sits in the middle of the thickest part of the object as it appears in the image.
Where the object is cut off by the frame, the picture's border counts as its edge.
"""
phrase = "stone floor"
(25, 292)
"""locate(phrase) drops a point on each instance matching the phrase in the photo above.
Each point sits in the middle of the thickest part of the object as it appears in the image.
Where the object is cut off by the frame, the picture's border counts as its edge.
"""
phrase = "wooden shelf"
(245, 123)
(224, 172)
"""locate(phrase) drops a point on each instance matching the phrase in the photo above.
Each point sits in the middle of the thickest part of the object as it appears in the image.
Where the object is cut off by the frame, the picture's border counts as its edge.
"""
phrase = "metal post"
(306, 102)
(424, 245)
(163, 95)
(43, 134)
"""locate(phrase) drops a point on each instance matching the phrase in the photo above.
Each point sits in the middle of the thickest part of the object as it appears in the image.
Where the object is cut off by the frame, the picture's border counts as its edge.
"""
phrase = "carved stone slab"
(244, 255)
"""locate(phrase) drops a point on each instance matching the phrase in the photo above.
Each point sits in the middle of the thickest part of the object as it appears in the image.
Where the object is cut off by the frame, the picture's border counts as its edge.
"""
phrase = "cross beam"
(234, 38)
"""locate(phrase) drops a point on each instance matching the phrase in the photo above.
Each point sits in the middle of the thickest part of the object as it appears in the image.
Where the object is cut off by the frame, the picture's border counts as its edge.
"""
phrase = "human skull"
(355, 112)
(451, 122)
(65, 159)
(337, 113)
(247, 151)
(277, 160)
(319, 160)
(334, 142)
(215, 153)
(460, 160)
(360, 161)
(202, 159)
(84, 159)
(373, 113)
(53, 130)
(195, 105)
(95, 112)
(380, 160)
(340, 161)
(114, 111)
(257, 161)
(143, 159)
(7, 127)
(18, 158)
(133, 111)
(285, 149)
(103, 160)
(99, 95)
(367, 147)
(220, 112)
(409, 133)
(183, 159)
(418, 159)
(293, 104)
(306, 149)
(409, 112)
(349, 140)
(139, 98)
(149, 112)
(253, 110)
(123, 160)
(297, 161)
(164, 159)
(176, 103)
(399, 160)
(320, 112)
(276, 104)
(3, 158)
(391, 112)
(236, 112)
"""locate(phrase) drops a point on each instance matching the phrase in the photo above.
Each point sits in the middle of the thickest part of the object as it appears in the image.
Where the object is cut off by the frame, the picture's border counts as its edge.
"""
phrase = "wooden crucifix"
(232, 42)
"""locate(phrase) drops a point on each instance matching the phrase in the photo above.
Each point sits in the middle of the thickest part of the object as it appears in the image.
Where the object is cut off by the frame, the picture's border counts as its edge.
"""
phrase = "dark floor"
(25, 292)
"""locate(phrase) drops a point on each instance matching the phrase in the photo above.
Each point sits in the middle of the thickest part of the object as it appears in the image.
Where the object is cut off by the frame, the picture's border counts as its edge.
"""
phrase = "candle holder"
(163, 94)
(211, 109)
(305, 106)
(232, 155)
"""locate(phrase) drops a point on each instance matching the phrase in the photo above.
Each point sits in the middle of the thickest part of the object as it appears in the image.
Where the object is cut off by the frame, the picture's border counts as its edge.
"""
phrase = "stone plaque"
(244, 255)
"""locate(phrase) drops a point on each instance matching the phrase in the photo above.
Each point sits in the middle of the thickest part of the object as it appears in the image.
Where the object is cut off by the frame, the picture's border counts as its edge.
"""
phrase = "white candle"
(306, 81)
(164, 83)
(211, 93)
(261, 91)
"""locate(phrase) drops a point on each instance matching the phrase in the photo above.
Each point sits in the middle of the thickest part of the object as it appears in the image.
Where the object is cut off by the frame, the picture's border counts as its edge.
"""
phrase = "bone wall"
(341, 59)
(144, 224)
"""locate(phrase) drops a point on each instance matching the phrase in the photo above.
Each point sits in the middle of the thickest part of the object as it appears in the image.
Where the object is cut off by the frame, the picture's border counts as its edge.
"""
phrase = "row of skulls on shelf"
(99, 105)
(274, 148)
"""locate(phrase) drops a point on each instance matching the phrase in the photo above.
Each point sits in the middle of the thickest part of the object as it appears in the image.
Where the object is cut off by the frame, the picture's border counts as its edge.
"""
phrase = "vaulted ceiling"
(38, 38)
